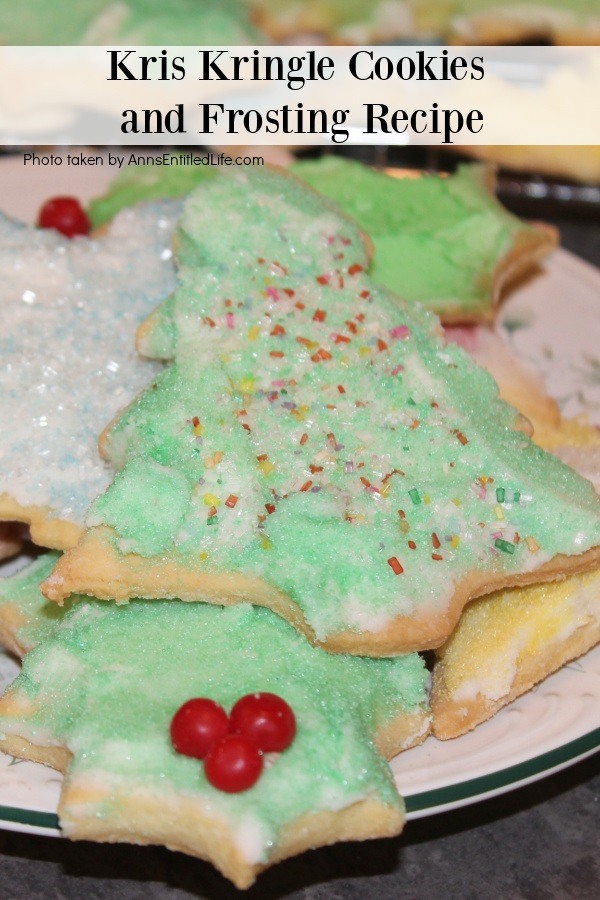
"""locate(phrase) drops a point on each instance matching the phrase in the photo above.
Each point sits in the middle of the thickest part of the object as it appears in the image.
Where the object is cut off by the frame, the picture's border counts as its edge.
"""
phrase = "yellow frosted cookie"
(506, 643)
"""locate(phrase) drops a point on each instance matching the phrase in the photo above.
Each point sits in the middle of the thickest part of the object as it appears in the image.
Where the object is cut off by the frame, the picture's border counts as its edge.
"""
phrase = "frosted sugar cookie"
(26, 617)
(508, 642)
(96, 698)
(337, 21)
(141, 182)
(514, 21)
(460, 21)
(518, 384)
(577, 444)
(134, 22)
(315, 447)
(444, 242)
(574, 441)
(69, 311)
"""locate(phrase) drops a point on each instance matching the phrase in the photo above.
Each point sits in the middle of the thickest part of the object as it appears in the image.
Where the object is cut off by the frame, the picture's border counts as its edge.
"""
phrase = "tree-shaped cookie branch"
(315, 447)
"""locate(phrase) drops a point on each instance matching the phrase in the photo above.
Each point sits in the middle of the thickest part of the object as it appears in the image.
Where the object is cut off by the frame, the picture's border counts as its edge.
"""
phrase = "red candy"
(266, 719)
(197, 725)
(233, 764)
(232, 746)
(65, 214)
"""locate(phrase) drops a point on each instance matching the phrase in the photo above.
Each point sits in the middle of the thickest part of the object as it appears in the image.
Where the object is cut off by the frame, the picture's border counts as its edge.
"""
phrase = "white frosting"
(67, 359)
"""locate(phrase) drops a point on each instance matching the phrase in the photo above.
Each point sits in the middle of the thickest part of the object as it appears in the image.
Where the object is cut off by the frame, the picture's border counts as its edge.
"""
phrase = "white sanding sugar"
(69, 310)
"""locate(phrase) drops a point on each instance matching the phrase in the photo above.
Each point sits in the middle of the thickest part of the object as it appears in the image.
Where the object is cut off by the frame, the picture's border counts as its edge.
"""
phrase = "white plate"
(554, 323)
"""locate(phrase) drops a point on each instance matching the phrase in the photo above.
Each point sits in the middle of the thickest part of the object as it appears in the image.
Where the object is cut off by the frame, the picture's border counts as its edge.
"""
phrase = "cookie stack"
(306, 497)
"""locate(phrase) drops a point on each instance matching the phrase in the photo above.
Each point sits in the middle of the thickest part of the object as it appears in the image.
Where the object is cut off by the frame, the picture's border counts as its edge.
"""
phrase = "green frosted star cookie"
(445, 242)
(97, 694)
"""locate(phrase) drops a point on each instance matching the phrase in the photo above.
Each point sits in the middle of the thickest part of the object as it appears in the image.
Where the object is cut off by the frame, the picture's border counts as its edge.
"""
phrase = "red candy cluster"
(232, 746)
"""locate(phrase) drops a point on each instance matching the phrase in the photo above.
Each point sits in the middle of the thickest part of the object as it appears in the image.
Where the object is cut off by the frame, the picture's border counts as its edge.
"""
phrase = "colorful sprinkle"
(395, 566)
(414, 496)
(500, 494)
(503, 545)
(320, 355)
(399, 332)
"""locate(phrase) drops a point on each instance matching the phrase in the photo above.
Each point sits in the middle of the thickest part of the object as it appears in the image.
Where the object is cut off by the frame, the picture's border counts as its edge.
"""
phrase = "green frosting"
(314, 431)
(108, 680)
(437, 240)
(147, 182)
(114, 22)
(22, 591)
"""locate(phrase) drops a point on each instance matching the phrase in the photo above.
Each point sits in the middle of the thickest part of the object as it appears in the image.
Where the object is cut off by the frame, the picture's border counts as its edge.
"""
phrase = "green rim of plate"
(31, 817)
(513, 775)
(455, 793)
